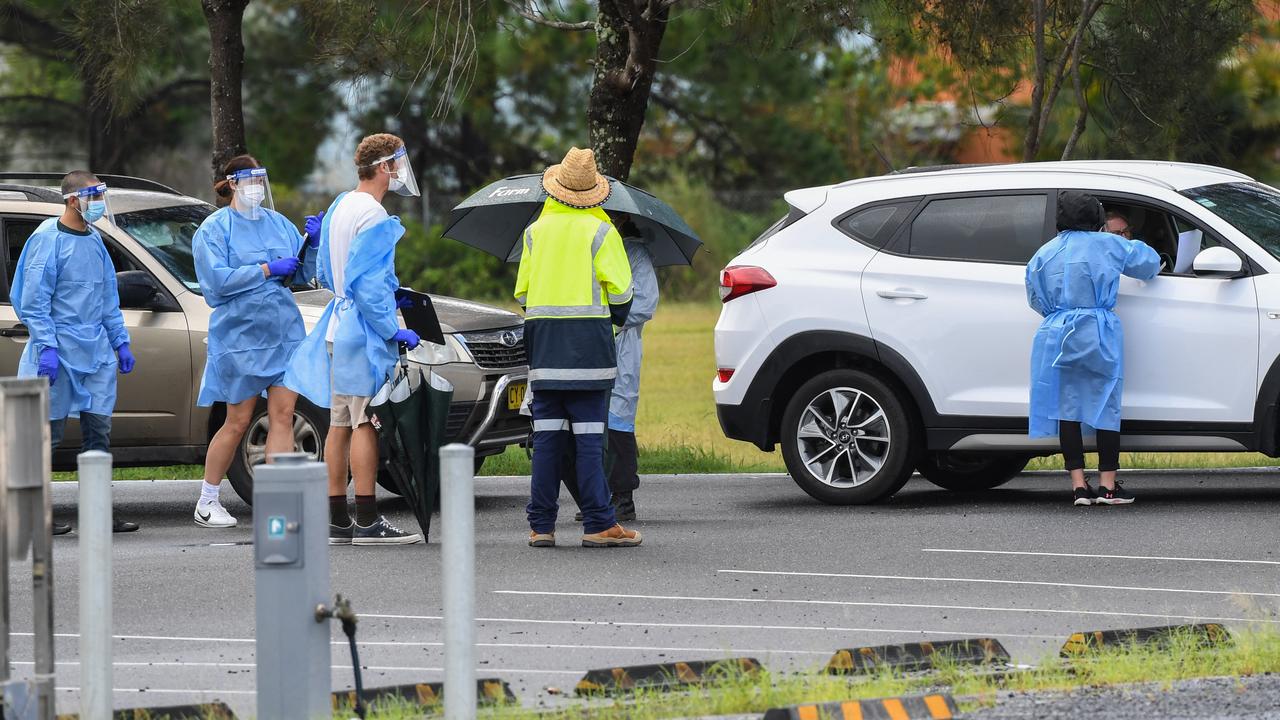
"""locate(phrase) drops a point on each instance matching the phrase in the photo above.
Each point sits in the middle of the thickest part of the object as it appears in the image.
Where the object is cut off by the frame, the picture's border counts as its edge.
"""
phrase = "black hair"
(1079, 211)
(78, 180)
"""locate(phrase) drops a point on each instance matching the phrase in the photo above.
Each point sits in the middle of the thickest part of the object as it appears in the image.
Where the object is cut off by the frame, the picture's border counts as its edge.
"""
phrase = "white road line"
(163, 690)
(851, 603)
(991, 581)
(381, 668)
(432, 643)
(1108, 557)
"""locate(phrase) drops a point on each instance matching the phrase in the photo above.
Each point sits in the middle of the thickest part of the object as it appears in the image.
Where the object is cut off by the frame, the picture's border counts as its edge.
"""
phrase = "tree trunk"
(226, 68)
(628, 34)
(1031, 144)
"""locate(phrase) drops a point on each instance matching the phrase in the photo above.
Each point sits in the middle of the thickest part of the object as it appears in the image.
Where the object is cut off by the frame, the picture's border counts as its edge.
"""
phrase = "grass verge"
(1250, 651)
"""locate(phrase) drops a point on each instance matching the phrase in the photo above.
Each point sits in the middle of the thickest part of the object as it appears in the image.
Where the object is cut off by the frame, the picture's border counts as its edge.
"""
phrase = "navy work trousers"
(556, 413)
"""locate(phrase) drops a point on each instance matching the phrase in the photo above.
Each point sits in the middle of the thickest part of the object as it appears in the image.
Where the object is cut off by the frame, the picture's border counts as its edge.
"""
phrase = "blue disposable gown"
(1077, 360)
(256, 324)
(363, 353)
(65, 292)
(644, 302)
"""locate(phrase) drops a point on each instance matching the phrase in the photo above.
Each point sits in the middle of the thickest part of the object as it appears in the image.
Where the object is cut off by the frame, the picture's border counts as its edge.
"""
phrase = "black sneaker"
(1085, 495)
(61, 528)
(382, 532)
(123, 526)
(339, 535)
(1117, 496)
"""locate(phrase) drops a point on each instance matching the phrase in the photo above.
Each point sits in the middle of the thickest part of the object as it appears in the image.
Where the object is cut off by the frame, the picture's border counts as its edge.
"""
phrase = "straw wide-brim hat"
(575, 181)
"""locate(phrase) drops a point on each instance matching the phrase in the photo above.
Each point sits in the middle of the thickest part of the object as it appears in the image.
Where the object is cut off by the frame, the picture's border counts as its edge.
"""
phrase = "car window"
(999, 228)
(16, 232)
(1252, 208)
(876, 225)
(166, 234)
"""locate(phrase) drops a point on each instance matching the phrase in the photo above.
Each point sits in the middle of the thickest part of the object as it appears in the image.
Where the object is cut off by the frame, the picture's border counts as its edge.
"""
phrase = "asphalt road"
(730, 566)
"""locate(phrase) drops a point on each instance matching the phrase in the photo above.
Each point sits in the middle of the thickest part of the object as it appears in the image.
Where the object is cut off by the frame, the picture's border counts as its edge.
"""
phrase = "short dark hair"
(78, 180)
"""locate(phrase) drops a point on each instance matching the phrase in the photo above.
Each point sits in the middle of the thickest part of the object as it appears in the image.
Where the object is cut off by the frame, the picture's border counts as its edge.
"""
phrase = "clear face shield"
(92, 203)
(252, 192)
(403, 181)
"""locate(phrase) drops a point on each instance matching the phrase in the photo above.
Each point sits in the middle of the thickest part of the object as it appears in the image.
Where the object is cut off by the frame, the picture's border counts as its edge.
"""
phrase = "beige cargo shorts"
(349, 411)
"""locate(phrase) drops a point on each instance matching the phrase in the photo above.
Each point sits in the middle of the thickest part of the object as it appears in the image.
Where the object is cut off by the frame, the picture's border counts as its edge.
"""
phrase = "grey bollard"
(458, 554)
(25, 530)
(95, 585)
(291, 557)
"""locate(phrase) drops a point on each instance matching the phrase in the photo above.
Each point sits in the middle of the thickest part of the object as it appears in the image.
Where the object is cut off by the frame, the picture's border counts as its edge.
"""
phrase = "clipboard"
(420, 317)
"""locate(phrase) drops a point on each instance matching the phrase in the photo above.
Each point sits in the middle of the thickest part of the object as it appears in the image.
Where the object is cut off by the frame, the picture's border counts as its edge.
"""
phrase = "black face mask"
(1079, 211)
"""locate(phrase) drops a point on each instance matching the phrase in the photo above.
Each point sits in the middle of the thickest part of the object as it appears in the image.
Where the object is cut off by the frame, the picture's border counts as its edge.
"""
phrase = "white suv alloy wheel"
(843, 437)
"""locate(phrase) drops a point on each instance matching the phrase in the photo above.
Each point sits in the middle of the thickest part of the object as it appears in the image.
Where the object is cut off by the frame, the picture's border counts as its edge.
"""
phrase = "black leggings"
(1073, 447)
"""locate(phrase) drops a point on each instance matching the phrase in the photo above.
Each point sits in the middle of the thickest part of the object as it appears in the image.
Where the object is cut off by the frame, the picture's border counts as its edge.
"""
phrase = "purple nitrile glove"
(404, 303)
(126, 358)
(283, 266)
(312, 229)
(48, 365)
(408, 337)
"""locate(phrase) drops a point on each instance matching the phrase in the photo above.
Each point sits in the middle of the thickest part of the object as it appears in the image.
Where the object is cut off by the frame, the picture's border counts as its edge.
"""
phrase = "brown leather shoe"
(616, 536)
(537, 539)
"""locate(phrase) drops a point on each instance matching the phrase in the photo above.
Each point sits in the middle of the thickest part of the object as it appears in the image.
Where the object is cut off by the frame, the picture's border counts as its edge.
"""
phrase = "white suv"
(882, 326)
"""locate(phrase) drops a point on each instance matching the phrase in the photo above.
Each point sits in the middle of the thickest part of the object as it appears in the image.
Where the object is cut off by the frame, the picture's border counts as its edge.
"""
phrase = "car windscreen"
(1252, 208)
(166, 233)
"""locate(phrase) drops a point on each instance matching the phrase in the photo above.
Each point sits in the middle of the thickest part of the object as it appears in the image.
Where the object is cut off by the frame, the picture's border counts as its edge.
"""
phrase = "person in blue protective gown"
(64, 290)
(354, 348)
(624, 478)
(246, 255)
(1077, 359)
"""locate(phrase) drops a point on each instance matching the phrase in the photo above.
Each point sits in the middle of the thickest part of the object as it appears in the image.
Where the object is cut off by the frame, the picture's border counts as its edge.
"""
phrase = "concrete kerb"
(204, 711)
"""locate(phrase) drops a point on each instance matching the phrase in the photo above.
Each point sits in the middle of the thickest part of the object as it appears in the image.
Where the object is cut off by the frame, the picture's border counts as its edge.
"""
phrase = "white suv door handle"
(901, 293)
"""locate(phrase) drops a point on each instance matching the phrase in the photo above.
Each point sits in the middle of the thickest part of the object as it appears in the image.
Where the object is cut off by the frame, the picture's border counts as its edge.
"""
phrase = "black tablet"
(420, 317)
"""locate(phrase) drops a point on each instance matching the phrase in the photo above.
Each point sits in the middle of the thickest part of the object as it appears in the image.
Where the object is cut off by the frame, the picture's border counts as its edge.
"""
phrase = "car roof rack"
(35, 193)
(937, 168)
(123, 182)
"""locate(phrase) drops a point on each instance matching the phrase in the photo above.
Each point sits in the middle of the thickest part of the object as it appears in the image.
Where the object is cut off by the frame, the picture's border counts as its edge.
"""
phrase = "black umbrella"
(409, 414)
(493, 219)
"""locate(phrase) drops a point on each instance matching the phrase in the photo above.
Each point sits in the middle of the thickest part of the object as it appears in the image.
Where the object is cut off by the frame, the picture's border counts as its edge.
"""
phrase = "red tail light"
(724, 374)
(740, 280)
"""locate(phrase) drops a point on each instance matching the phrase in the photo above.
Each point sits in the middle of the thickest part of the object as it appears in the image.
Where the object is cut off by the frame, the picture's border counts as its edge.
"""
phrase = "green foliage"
(426, 261)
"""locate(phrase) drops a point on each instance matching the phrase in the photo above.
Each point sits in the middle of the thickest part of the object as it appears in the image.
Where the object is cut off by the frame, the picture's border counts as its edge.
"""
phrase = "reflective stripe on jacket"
(573, 277)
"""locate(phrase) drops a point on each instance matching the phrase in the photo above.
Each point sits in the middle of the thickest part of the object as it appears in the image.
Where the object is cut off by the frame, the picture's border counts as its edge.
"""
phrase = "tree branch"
(1061, 66)
(525, 9)
(1082, 101)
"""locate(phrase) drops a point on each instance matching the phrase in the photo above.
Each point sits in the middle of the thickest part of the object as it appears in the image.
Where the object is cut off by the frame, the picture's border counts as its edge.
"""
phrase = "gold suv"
(156, 421)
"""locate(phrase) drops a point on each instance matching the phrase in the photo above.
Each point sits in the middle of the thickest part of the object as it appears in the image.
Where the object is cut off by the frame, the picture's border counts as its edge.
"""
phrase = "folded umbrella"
(409, 420)
(494, 219)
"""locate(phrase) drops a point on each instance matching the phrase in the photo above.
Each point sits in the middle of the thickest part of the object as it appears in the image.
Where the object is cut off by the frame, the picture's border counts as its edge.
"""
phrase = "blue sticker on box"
(275, 527)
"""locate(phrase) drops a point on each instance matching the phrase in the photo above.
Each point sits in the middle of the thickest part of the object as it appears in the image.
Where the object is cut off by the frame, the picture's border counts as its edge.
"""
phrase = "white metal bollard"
(458, 513)
(95, 585)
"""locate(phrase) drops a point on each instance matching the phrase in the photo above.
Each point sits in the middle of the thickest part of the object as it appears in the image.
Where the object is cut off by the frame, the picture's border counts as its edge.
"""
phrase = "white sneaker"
(213, 515)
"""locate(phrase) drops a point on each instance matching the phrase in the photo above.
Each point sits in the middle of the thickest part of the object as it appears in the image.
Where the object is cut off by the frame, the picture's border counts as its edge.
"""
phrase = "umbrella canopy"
(409, 414)
(494, 219)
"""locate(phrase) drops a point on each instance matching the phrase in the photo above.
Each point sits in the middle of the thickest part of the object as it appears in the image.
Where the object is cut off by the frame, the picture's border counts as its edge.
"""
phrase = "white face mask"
(396, 182)
(253, 195)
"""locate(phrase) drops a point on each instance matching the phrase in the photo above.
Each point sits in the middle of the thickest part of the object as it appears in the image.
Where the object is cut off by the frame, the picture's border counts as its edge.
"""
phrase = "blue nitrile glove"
(312, 229)
(403, 303)
(126, 358)
(283, 266)
(408, 337)
(48, 364)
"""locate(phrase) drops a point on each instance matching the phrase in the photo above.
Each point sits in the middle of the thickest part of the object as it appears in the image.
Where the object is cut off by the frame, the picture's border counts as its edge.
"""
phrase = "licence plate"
(515, 396)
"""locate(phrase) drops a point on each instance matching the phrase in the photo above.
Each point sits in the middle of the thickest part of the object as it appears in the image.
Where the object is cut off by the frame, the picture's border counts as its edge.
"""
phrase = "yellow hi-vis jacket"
(574, 283)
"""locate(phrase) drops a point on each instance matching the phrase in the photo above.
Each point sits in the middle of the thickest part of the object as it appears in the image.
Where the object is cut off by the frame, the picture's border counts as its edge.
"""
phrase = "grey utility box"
(291, 559)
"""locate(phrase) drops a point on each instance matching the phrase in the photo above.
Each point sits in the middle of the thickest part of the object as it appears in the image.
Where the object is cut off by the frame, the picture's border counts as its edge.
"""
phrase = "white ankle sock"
(209, 493)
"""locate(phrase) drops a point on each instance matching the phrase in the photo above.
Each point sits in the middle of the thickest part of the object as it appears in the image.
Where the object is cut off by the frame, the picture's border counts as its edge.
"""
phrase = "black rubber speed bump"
(917, 656)
(490, 691)
(206, 711)
(1082, 643)
(914, 707)
(666, 676)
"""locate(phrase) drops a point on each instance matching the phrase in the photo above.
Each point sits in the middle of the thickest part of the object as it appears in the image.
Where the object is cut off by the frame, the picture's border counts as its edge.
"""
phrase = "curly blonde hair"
(371, 149)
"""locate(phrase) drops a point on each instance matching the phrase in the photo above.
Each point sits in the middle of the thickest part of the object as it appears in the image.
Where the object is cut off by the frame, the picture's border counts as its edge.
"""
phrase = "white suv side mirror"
(1217, 262)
